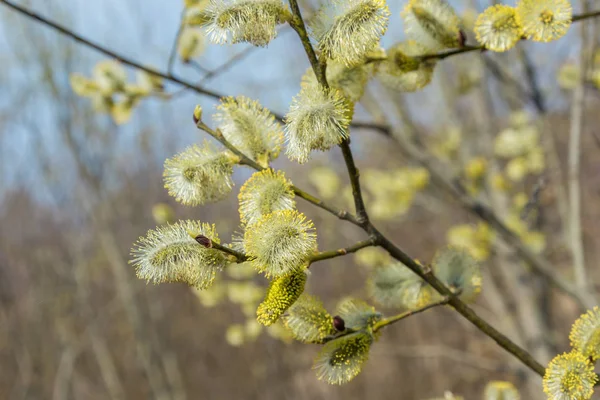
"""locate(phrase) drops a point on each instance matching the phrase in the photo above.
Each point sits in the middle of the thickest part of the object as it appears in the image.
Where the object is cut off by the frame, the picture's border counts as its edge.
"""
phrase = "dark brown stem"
(240, 257)
(326, 255)
(399, 317)
(394, 251)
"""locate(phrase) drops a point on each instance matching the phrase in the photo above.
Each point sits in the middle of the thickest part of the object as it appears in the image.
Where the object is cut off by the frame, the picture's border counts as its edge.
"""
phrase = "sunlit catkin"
(170, 254)
(308, 321)
(585, 334)
(569, 376)
(250, 127)
(341, 360)
(403, 70)
(432, 23)
(199, 175)
(346, 30)
(280, 242)
(281, 294)
(318, 119)
(544, 20)
(265, 192)
(252, 21)
(497, 28)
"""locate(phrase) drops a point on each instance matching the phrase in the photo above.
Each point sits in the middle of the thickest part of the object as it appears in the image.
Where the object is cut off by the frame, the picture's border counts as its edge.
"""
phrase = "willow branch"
(399, 317)
(245, 160)
(459, 306)
(468, 49)
(446, 54)
(326, 255)
(298, 25)
(133, 63)
(392, 249)
(539, 264)
(586, 15)
(117, 56)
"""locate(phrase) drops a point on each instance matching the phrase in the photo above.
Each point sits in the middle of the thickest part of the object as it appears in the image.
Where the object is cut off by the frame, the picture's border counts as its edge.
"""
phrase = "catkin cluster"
(279, 242)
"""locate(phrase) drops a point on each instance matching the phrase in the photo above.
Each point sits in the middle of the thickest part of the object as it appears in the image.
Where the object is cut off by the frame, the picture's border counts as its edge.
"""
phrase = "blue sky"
(144, 30)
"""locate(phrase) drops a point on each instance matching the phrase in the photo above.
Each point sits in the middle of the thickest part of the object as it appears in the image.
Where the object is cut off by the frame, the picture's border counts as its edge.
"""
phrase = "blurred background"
(77, 189)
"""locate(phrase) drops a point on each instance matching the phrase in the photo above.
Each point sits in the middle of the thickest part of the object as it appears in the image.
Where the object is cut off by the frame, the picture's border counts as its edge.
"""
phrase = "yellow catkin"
(281, 294)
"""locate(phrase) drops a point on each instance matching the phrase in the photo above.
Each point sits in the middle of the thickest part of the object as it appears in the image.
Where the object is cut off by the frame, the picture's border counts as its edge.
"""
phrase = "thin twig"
(326, 255)
(135, 64)
(298, 25)
(110, 53)
(240, 257)
(198, 67)
(398, 317)
(228, 64)
(586, 15)
(173, 53)
(245, 160)
(234, 60)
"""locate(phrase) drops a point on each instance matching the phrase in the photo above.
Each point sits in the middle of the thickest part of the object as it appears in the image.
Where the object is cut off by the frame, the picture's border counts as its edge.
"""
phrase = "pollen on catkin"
(235, 21)
(544, 20)
(394, 285)
(346, 30)
(351, 81)
(432, 23)
(585, 334)
(265, 192)
(497, 28)
(341, 360)
(250, 127)
(569, 376)
(280, 242)
(318, 119)
(308, 321)
(199, 175)
(170, 254)
(403, 71)
(459, 271)
(281, 294)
